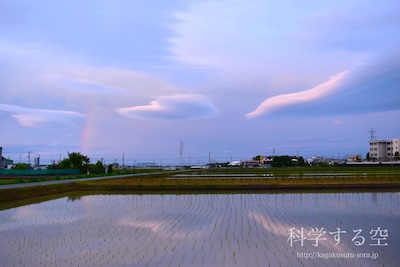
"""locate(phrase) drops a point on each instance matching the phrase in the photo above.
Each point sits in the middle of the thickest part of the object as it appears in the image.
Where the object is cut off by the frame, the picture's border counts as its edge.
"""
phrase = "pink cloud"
(281, 101)
(30, 117)
(176, 107)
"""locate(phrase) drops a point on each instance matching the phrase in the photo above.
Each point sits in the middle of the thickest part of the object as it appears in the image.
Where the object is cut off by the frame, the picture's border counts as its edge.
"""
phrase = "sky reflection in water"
(197, 230)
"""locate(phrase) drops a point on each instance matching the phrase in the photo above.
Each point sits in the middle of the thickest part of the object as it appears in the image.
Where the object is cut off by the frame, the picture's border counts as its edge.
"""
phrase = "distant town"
(380, 152)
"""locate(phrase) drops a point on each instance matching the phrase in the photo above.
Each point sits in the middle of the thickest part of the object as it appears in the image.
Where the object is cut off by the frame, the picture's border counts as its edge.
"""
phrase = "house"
(251, 163)
(3, 161)
(354, 158)
(235, 163)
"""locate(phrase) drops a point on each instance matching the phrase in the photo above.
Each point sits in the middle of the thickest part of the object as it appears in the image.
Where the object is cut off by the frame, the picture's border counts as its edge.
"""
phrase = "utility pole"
(123, 160)
(181, 154)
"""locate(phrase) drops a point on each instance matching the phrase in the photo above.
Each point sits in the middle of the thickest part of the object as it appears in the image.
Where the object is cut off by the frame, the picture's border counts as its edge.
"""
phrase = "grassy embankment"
(33, 179)
(335, 179)
(282, 179)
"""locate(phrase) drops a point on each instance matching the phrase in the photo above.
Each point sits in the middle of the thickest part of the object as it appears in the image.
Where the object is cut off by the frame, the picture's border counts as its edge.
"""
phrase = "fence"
(45, 172)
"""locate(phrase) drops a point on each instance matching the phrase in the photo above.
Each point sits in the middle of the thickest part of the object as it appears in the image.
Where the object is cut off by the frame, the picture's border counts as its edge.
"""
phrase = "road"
(9, 186)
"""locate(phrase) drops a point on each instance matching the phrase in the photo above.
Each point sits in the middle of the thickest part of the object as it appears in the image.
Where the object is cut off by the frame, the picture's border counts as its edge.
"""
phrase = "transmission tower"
(373, 137)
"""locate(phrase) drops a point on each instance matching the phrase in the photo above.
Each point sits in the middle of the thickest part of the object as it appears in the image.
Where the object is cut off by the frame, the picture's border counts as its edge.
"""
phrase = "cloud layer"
(132, 69)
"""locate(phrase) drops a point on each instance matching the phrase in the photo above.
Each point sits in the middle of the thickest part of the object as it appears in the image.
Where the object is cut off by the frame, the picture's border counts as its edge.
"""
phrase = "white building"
(384, 149)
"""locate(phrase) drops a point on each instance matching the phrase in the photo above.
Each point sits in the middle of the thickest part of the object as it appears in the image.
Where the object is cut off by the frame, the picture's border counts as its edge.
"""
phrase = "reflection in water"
(202, 230)
(74, 197)
(374, 198)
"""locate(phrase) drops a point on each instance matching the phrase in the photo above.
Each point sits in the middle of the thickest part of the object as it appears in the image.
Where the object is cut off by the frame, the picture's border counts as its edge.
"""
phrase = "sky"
(192, 81)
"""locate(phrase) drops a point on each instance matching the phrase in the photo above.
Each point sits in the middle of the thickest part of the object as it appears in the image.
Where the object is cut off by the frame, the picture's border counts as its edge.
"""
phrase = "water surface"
(204, 230)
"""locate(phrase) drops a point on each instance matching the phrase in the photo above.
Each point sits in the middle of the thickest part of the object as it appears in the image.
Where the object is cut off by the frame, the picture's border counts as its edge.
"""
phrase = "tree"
(79, 161)
(397, 155)
(97, 168)
(110, 168)
(288, 161)
(257, 158)
(20, 166)
(64, 164)
(282, 161)
(302, 162)
(369, 158)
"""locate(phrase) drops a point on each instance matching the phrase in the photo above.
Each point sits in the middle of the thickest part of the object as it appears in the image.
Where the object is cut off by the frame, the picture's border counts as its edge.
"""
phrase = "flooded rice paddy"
(333, 229)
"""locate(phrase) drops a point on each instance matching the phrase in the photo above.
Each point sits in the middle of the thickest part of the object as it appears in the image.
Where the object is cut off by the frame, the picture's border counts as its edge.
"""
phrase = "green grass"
(33, 179)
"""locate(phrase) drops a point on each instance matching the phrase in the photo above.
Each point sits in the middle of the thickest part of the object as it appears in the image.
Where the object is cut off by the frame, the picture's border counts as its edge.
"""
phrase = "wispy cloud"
(176, 107)
(89, 79)
(281, 101)
(86, 86)
(30, 117)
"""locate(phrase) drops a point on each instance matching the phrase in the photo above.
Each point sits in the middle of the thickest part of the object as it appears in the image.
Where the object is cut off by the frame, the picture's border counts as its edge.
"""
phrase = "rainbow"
(86, 134)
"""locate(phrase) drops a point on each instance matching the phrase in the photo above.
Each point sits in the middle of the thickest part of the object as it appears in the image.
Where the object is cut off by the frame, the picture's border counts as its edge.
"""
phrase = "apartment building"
(384, 150)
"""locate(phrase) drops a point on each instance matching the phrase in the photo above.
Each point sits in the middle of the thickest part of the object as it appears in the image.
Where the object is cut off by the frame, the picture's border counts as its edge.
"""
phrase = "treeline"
(76, 160)
(288, 161)
(284, 161)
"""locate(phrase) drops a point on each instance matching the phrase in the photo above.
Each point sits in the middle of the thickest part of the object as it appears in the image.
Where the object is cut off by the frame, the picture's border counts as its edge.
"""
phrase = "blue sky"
(230, 79)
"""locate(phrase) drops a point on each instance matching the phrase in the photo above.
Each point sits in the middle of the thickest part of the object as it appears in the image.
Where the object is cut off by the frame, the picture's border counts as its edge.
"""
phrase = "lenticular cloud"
(315, 93)
(30, 117)
(176, 107)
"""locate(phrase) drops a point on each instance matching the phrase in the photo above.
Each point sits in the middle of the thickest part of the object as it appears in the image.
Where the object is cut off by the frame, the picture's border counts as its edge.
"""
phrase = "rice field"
(204, 230)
